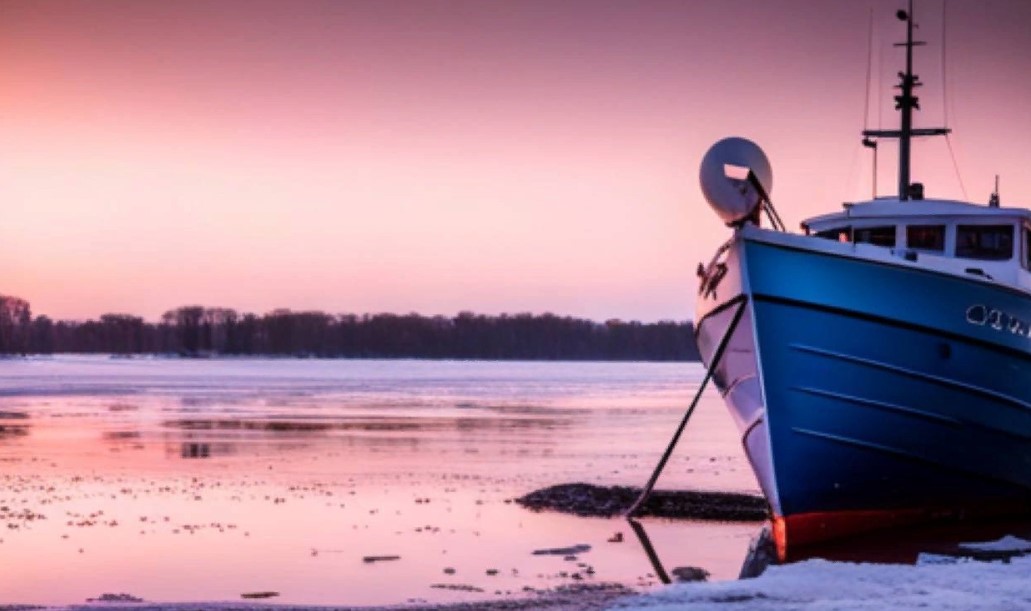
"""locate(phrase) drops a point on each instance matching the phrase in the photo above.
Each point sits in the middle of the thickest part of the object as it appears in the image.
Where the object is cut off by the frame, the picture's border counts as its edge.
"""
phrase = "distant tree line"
(200, 331)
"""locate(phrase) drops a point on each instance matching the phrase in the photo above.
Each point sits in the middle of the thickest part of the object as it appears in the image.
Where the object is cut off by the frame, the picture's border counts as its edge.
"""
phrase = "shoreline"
(935, 581)
(586, 597)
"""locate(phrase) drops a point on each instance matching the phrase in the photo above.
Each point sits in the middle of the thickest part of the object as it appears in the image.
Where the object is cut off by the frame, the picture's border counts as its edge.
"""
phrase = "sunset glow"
(454, 155)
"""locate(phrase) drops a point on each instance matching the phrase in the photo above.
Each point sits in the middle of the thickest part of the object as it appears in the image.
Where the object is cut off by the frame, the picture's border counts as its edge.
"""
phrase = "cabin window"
(926, 237)
(1027, 247)
(986, 242)
(879, 236)
(838, 234)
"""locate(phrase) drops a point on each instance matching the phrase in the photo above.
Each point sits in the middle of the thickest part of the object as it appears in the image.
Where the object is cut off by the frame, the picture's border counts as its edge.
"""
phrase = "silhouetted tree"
(200, 331)
(42, 340)
(15, 321)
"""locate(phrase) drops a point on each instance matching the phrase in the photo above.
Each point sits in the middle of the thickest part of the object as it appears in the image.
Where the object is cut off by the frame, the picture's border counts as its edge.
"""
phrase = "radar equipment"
(736, 180)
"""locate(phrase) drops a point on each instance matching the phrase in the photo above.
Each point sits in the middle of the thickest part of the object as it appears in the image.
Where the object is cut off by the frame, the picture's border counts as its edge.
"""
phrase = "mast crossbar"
(916, 131)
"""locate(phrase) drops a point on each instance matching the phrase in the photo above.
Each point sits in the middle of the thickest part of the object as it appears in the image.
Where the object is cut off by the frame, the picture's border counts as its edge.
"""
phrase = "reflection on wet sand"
(271, 426)
(10, 431)
(649, 550)
(366, 424)
(237, 485)
(952, 541)
(948, 538)
(123, 407)
(121, 435)
(12, 424)
(195, 450)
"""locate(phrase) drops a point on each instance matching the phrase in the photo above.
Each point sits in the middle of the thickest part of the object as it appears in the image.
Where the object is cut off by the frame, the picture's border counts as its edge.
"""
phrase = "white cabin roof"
(889, 209)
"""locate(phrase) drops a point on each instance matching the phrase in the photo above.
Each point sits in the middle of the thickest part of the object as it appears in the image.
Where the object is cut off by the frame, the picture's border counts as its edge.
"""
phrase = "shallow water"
(186, 480)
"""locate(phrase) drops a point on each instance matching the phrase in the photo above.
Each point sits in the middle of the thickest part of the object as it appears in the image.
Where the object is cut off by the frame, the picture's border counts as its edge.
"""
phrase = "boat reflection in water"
(959, 539)
(953, 541)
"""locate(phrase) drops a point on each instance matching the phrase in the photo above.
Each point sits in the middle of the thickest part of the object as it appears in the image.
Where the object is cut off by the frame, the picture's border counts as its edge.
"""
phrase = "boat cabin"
(986, 241)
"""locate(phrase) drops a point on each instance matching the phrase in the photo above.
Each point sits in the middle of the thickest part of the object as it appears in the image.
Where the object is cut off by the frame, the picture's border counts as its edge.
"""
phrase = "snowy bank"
(941, 583)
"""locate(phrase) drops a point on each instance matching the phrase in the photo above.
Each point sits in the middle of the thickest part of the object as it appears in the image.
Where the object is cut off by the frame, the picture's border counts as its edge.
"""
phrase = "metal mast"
(906, 102)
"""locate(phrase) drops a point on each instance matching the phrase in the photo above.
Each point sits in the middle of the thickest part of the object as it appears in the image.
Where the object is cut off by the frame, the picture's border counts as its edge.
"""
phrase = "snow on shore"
(960, 584)
(942, 583)
(1009, 543)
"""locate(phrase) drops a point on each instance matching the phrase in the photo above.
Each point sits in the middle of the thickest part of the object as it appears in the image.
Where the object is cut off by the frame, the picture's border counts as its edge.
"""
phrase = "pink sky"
(438, 156)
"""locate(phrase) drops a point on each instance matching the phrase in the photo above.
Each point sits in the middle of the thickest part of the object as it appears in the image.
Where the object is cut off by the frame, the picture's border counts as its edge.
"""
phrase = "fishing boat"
(878, 364)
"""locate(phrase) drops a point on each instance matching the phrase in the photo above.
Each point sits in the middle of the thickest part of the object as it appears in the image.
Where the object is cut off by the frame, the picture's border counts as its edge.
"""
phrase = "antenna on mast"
(905, 103)
(994, 200)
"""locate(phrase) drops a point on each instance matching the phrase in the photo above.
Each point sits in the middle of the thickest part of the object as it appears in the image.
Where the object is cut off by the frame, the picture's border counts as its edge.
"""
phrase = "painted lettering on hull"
(994, 318)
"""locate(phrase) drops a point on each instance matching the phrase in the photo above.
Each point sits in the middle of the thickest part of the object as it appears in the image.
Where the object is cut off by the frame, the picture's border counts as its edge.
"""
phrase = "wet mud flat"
(226, 489)
(588, 500)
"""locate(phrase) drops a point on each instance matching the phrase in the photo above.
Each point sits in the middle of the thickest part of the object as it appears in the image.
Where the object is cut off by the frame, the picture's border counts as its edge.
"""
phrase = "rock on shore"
(608, 501)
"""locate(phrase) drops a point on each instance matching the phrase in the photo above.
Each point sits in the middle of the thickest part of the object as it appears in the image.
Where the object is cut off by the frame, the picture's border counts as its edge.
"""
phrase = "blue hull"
(864, 387)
